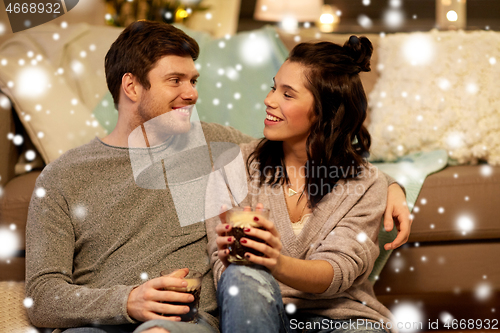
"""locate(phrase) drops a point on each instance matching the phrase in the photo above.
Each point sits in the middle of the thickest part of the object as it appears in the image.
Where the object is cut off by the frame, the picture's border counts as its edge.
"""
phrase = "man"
(97, 240)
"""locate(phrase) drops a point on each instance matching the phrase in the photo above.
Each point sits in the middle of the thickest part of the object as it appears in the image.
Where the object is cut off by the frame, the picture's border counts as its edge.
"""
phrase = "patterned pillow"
(438, 90)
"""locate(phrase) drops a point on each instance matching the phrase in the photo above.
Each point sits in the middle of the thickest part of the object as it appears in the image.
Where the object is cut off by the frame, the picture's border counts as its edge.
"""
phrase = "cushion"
(15, 202)
(55, 114)
(460, 279)
(468, 196)
(431, 86)
(13, 316)
(8, 152)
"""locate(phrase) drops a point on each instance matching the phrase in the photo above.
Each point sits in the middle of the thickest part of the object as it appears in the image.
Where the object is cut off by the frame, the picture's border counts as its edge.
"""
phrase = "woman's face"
(289, 106)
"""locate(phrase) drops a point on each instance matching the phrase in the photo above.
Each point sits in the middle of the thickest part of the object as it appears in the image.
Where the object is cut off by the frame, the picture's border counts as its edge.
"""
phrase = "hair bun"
(360, 50)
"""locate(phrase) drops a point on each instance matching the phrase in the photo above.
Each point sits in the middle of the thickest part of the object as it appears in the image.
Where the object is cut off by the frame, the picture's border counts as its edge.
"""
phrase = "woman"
(325, 199)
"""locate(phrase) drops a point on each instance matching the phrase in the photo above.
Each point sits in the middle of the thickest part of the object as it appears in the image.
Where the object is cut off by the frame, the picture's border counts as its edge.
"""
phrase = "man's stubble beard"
(165, 124)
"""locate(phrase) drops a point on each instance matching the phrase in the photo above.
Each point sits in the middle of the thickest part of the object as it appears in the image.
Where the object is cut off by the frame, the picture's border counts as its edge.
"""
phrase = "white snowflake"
(483, 291)
(233, 290)
(408, 317)
(18, 140)
(445, 317)
(80, 211)
(362, 237)
(486, 170)
(40, 192)
(9, 242)
(290, 308)
(144, 276)
(465, 224)
(28, 302)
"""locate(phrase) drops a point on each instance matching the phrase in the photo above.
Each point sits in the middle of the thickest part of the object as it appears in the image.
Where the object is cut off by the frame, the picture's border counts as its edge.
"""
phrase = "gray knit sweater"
(342, 231)
(93, 234)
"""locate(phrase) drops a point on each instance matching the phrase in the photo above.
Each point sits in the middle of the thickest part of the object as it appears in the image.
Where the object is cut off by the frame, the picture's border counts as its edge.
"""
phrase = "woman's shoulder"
(368, 177)
(372, 178)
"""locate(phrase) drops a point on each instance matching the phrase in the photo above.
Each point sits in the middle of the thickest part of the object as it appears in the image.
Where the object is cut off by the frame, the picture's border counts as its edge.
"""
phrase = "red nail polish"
(227, 226)
(246, 229)
(247, 256)
(255, 218)
(244, 241)
(229, 239)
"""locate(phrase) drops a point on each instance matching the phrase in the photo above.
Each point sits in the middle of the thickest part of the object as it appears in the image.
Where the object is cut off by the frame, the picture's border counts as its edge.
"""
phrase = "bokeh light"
(483, 291)
(32, 83)
(486, 170)
(418, 49)
(408, 317)
(255, 50)
(9, 243)
(393, 18)
(233, 290)
(452, 16)
(290, 308)
(465, 224)
(365, 21)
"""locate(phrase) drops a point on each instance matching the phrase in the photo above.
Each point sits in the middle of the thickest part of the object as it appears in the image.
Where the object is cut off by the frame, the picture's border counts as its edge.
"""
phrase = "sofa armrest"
(8, 151)
(13, 315)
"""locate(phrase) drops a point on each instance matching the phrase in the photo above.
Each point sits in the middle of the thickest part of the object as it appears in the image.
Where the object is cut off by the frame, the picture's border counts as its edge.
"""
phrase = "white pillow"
(53, 115)
(438, 90)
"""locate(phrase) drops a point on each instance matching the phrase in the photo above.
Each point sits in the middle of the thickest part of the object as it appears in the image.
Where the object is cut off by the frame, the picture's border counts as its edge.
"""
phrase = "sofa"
(441, 273)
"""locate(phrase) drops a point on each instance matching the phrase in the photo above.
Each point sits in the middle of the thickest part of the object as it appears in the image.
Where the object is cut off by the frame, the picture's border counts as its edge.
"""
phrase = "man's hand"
(145, 302)
(397, 212)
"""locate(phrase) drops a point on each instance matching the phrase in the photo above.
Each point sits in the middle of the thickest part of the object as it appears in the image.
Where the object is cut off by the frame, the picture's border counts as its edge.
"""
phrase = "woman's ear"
(131, 87)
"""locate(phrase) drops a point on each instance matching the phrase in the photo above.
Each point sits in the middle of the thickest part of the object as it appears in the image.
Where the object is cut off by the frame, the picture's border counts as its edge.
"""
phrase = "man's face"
(167, 105)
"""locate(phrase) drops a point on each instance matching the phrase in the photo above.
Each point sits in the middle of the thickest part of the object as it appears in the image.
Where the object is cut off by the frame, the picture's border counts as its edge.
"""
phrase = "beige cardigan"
(343, 231)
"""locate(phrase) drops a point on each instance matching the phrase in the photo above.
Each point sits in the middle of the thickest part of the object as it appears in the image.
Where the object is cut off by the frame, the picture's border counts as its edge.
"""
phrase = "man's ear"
(131, 87)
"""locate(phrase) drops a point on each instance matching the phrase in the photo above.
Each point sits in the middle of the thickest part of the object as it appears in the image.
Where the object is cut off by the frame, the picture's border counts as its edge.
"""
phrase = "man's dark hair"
(139, 47)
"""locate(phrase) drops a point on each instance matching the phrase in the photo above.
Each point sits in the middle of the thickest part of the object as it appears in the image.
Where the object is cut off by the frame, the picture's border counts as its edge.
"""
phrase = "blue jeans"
(250, 302)
(201, 326)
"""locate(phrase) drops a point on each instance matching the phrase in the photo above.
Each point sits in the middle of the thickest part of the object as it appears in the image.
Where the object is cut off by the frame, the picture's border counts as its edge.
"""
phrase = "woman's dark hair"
(139, 47)
(338, 138)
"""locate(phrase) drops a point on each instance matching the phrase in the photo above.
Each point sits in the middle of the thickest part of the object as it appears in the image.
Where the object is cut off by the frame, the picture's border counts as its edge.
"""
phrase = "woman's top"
(299, 225)
(343, 230)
